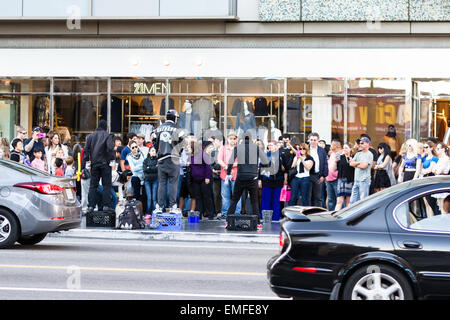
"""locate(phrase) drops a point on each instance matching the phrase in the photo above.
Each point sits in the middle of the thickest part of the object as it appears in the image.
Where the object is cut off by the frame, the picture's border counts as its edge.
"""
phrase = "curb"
(146, 235)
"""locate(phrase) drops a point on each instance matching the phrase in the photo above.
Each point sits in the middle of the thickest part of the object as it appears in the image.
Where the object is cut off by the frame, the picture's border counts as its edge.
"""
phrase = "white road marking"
(173, 245)
(144, 293)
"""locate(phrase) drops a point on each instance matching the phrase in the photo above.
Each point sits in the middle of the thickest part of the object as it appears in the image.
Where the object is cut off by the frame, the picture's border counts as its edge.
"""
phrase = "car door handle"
(412, 244)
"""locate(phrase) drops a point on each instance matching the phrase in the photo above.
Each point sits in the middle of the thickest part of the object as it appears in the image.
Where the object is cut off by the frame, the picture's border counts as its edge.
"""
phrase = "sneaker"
(175, 209)
(158, 209)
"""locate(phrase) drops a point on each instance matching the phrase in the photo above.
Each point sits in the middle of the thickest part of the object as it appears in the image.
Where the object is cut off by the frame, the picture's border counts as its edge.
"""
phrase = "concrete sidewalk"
(205, 230)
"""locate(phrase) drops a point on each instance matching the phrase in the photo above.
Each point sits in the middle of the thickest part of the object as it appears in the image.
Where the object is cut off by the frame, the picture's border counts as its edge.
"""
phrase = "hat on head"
(37, 128)
(141, 135)
(365, 139)
(172, 113)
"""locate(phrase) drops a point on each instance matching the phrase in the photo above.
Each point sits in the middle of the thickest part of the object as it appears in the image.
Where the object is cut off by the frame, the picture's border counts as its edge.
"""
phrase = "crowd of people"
(220, 176)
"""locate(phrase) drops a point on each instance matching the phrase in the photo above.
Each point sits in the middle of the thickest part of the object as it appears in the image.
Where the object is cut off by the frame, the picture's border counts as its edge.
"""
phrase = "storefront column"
(345, 110)
(108, 105)
(321, 109)
(285, 119)
(52, 103)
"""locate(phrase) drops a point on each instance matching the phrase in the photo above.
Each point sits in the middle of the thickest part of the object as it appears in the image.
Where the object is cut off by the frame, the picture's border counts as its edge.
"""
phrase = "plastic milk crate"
(167, 221)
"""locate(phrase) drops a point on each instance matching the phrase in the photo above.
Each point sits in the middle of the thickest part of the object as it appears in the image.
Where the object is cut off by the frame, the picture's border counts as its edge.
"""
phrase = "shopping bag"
(285, 194)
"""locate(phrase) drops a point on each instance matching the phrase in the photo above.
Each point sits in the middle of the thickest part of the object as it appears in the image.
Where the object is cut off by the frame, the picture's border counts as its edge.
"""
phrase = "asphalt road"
(77, 269)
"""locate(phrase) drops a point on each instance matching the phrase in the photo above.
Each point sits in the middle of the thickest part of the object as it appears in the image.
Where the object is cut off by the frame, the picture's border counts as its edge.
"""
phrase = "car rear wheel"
(378, 282)
(32, 239)
(9, 229)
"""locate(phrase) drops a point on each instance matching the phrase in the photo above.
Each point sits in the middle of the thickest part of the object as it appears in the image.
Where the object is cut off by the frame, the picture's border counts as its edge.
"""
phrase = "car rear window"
(22, 168)
(376, 198)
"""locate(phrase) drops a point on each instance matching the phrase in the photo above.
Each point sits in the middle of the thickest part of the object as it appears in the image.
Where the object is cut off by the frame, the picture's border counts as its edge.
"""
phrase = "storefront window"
(80, 85)
(315, 106)
(24, 86)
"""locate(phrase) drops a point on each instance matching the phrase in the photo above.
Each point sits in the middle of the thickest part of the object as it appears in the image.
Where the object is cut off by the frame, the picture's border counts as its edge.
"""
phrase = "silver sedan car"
(34, 203)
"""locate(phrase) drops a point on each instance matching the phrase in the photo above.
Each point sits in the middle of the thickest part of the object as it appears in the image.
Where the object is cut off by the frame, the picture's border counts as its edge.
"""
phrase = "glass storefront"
(336, 108)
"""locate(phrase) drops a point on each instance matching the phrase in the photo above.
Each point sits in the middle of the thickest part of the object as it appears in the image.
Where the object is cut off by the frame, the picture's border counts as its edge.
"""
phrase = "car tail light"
(284, 241)
(43, 188)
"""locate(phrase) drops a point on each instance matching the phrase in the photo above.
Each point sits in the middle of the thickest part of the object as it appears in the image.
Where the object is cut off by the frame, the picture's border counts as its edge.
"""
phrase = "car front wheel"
(9, 229)
(32, 239)
(377, 282)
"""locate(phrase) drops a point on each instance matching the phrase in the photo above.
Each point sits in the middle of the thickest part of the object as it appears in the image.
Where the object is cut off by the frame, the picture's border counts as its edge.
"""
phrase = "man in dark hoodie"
(249, 156)
(99, 150)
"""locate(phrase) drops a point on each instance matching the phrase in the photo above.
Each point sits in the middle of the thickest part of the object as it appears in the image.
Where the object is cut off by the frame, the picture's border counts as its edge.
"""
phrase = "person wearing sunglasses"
(303, 162)
(136, 162)
(429, 159)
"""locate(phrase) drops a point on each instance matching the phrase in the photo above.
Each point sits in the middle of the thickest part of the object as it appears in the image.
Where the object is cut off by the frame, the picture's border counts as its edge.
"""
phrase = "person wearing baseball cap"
(362, 162)
(31, 145)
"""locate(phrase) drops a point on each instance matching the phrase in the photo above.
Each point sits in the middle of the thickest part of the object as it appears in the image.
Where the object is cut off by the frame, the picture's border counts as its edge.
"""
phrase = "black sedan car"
(393, 245)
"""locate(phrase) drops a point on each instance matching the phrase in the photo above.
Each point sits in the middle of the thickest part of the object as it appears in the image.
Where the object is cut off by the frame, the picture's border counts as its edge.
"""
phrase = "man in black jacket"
(249, 156)
(99, 150)
(168, 143)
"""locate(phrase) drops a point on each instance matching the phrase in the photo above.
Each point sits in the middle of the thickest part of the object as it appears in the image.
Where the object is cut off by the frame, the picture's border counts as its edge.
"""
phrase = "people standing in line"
(443, 165)
(52, 149)
(141, 144)
(362, 162)
(248, 156)
(287, 152)
(384, 174)
(429, 160)
(202, 180)
(126, 150)
(319, 171)
(34, 143)
(227, 186)
(271, 181)
(391, 139)
(136, 162)
(38, 162)
(398, 160)
(70, 171)
(17, 153)
(346, 176)
(216, 169)
(303, 163)
(169, 144)
(185, 190)
(21, 133)
(99, 150)
(332, 178)
(150, 167)
(411, 162)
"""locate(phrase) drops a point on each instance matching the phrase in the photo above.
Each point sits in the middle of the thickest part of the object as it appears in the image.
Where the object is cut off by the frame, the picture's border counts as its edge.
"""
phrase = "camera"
(41, 135)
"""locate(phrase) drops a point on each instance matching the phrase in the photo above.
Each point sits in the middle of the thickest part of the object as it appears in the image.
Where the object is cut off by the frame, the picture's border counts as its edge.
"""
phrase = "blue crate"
(166, 221)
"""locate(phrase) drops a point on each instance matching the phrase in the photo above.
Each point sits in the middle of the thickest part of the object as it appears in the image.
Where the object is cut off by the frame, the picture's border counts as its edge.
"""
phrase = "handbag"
(285, 194)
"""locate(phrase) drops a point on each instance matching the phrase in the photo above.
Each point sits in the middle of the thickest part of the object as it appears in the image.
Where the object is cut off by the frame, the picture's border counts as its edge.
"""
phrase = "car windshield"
(23, 168)
(369, 201)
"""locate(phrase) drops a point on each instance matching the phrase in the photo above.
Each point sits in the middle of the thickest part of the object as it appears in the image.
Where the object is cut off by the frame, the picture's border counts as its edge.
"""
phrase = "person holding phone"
(34, 143)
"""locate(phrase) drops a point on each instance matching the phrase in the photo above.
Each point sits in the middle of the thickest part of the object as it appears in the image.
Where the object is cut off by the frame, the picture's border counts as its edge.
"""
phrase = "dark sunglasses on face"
(132, 148)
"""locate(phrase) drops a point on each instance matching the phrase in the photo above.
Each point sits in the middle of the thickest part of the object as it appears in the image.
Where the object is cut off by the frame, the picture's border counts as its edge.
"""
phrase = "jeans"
(332, 194)
(227, 191)
(300, 187)
(100, 171)
(114, 198)
(245, 185)
(315, 190)
(360, 190)
(168, 173)
(151, 189)
(270, 200)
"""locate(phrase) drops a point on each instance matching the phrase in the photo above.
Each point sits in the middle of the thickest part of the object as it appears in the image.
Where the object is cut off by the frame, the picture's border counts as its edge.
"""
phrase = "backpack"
(130, 218)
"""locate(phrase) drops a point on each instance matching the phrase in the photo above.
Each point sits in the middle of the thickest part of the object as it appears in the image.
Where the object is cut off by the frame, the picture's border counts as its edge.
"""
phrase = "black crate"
(242, 222)
(101, 219)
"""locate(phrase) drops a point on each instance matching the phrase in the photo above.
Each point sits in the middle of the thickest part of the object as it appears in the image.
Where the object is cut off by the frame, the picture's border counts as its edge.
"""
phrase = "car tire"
(377, 282)
(32, 239)
(9, 229)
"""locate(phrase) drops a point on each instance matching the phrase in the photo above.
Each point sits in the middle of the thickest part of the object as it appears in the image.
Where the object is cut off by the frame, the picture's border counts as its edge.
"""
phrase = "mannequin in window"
(275, 133)
(245, 120)
(213, 131)
(190, 120)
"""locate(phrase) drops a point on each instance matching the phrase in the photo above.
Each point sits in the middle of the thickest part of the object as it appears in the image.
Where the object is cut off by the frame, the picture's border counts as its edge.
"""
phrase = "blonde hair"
(412, 143)
(403, 149)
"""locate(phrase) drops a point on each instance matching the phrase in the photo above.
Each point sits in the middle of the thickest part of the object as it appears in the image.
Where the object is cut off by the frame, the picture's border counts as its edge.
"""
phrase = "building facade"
(340, 68)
